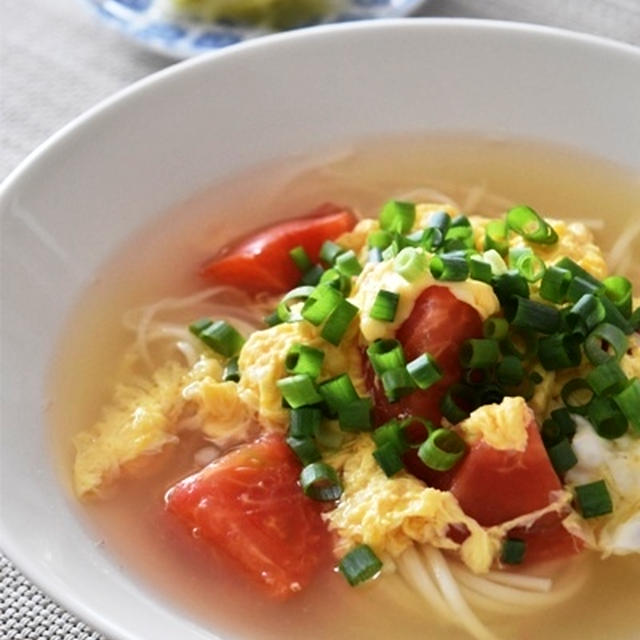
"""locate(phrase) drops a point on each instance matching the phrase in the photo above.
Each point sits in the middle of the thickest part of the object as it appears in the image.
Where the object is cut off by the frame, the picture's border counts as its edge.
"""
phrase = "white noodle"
(426, 194)
(521, 581)
(620, 255)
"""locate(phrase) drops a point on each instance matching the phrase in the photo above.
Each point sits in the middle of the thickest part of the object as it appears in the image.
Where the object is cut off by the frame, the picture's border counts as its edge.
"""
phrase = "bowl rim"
(20, 557)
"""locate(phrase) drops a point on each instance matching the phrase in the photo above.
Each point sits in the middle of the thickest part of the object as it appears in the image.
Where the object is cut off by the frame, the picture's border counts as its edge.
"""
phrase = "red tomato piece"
(494, 486)
(438, 324)
(261, 262)
(249, 506)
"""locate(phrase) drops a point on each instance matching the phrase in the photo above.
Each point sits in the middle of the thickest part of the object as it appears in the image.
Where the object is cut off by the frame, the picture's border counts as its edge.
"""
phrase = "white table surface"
(57, 60)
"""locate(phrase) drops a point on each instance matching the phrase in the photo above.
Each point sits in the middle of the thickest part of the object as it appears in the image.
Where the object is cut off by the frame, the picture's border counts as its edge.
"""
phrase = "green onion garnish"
(619, 290)
(613, 316)
(455, 401)
(555, 284)
(410, 263)
(480, 269)
(577, 271)
(329, 251)
(299, 294)
(565, 422)
(510, 371)
(498, 265)
(298, 391)
(496, 328)
(338, 322)
(527, 263)
(333, 278)
(359, 565)
(321, 302)
(389, 459)
(579, 287)
(304, 422)
(338, 392)
(425, 371)
(272, 319)
(513, 550)
(593, 499)
(529, 314)
(442, 449)
(509, 284)
(480, 353)
(385, 354)
(562, 456)
(385, 306)
(398, 216)
(629, 403)
(329, 435)
(301, 258)
(375, 255)
(231, 372)
(607, 378)
(347, 264)
(222, 338)
(312, 276)
(559, 351)
(634, 320)
(604, 339)
(577, 396)
(497, 237)
(392, 432)
(397, 383)
(356, 416)
(305, 448)
(320, 482)
(304, 359)
(607, 419)
(586, 313)
(522, 343)
(528, 224)
(197, 327)
(379, 239)
(449, 267)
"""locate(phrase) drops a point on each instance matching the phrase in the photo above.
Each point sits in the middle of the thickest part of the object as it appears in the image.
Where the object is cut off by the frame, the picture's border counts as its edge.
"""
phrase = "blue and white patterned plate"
(152, 23)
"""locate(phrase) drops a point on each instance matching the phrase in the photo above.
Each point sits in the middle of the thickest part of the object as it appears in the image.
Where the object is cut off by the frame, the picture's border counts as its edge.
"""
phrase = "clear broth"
(131, 524)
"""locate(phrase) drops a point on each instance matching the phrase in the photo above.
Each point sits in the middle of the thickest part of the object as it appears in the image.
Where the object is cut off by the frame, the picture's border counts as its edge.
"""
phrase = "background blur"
(57, 60)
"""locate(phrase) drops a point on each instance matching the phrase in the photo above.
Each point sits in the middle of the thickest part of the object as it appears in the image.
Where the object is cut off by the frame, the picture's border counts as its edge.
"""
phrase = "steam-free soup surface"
(163, 261)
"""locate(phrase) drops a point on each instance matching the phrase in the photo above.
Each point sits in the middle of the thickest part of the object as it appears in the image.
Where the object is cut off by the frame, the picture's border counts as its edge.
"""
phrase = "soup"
(131, 518)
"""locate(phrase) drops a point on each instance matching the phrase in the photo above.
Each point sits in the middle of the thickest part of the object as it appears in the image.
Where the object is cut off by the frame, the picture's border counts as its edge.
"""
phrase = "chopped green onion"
(384, 306)
(555, 284)
(459, 238)
(577, 271)
(199, 326)
(272, 319)
(347, 264)
(359, 565)
(375, 255)
(222, 338)
(301, 258)
(559, 351)
(513, 550)
(629, 403)
(510, 284)
(442, 449)
(338, 392)
(634, 320)
(577, 396)
(304, 422)
(528, 224)
(304, 359)
(329, 435)
(356, 416)
(480, 269)
(497, 237)
(498, 265)
(496, 328)
(391, 432)
(333, 278)
(379, 239)
(562, 456)
(410, 263)
(613, 316)
(455, 402)
(495, 394)
(320, 303)
(565, 422)
(527, 263)
(231, 372)
(586, 313)
(603, 338)
(550, 432)
(398, 216)
(299, 294)
(579, 287)
(522, 343)
(593, 499)
(432, 239)
(320, 482)
(329, 251)
(619, 290)
(510, 371)
(298, 391)
(388, 459)
(449, 267)
(397, 383)
(461, 221)
(441, 221)
(607, 378)
(385, 354)
(312, 276)
(425, 371)
(338, 322)
(479, 353)
(606, 418)
(529, 314)
(305, 448)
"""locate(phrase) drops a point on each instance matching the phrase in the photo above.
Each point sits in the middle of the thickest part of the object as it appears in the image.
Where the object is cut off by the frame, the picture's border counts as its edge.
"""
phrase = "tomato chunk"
(262, 262)
(248, 506)
(438, 324)
(494, 486)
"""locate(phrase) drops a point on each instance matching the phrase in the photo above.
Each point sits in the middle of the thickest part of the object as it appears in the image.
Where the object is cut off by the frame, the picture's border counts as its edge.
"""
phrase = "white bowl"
(73, 202)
